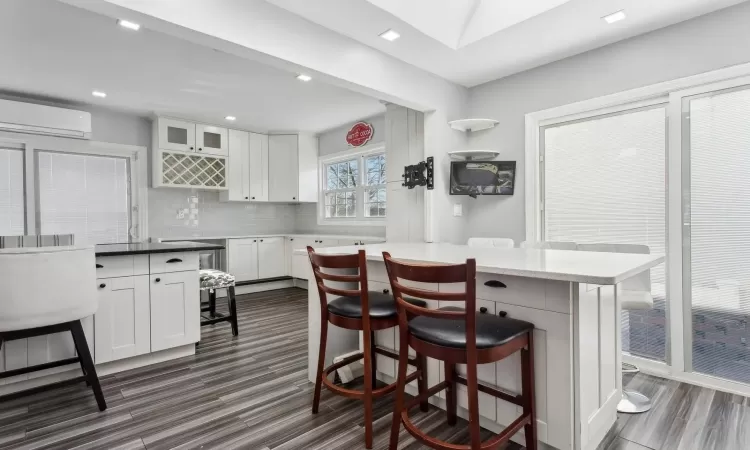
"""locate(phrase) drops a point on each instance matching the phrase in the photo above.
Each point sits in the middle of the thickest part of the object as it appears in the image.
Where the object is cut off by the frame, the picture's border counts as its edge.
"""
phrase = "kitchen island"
(149, 312)
(571, 299)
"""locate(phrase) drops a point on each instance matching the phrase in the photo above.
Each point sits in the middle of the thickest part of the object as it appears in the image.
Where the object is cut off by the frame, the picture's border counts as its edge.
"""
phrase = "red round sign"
(360, 133)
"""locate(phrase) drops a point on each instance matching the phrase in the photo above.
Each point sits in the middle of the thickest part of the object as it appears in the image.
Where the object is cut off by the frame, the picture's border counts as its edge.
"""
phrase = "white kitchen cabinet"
(175, 134)
(242, 258)
(175, 301)
(238, 170)
(271, 257)
(308, 168)
(283, 168)
(258, 153)
(211, 140)
(300, 266)
(122, 322)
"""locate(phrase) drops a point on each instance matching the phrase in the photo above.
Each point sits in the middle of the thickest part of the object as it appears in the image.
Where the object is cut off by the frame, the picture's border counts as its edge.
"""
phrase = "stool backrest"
(640, 282)
(434, 274)
(39, 240)
(340, 263)
(491, 242)
(46, 286)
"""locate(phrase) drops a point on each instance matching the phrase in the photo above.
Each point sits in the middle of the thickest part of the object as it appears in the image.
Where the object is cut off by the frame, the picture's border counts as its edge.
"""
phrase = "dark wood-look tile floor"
(252, 392)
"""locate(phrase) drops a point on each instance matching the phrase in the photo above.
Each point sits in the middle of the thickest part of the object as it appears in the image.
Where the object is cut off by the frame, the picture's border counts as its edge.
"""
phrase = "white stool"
(634, 293)
(551, 245)
(491, 242)
(49, 290)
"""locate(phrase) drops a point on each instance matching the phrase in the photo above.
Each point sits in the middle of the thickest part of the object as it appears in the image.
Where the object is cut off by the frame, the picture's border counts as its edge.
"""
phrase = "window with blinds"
(84, 195)
(12, 202)
(604, 181)
(717, 265)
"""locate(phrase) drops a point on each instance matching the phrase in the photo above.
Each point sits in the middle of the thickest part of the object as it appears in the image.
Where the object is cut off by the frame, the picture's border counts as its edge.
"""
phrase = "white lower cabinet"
(175, 302)
(300, 266)
(122, 322)
(271, 257)
(242, 258)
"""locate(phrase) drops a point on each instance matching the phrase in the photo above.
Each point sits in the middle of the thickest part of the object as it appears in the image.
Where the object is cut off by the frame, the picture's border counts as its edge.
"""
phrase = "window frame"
(360, 155)
(137, 162)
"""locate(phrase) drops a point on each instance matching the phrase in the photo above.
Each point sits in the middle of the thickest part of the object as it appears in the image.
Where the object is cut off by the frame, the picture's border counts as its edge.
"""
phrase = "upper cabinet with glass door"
(184, 136)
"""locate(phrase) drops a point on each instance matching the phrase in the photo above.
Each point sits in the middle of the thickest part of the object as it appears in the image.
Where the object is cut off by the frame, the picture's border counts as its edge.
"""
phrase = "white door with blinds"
(604, 181)
(12, 200)
(716, 207)
(88, 196)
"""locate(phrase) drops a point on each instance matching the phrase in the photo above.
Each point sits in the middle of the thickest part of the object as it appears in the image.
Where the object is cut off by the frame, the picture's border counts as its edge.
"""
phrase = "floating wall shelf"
(472, 124)
(473, 155)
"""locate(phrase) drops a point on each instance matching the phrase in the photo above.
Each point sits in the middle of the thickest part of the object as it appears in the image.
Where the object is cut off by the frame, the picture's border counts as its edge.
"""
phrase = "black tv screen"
(482, 177)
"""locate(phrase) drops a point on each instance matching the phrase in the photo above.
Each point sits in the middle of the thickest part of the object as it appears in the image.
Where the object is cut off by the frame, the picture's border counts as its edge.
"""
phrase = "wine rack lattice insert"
(179, 169)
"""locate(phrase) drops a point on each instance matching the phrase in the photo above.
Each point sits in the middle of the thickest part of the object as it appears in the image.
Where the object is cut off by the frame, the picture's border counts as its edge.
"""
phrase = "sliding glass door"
(716, 232)
(604, 182)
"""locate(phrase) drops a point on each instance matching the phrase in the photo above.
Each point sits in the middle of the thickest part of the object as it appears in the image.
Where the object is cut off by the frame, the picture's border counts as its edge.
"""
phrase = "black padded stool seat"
(381, 306)
(492, 330)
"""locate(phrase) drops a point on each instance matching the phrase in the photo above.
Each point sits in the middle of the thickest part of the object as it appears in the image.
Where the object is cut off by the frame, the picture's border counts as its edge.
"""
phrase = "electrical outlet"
(458, 210)
(181, 213)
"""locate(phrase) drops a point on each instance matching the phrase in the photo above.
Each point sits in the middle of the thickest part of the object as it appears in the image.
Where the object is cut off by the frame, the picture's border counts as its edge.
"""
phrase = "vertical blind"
(719, 266)
(84, 195)
(605, 182)
(12, 208)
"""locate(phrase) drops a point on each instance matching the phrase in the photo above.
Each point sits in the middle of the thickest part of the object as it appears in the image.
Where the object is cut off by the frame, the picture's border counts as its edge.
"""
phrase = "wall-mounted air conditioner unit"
(39, 119)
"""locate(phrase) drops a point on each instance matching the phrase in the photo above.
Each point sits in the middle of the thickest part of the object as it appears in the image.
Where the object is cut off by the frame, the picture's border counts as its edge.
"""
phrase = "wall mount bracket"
(421, 174)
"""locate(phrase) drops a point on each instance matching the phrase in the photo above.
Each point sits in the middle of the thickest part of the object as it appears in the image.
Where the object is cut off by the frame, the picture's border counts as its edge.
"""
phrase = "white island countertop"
(561, 265)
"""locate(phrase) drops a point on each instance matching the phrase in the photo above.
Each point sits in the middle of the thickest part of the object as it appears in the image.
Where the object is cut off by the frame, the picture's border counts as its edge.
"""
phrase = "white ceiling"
(62, 52)
(471, 42)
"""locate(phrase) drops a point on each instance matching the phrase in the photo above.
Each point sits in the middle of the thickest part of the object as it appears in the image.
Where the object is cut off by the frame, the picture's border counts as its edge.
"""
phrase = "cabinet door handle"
(102, 286)
(261, 240)
(495, 284)
(200, 149)
(386, 291)
(99, 266)
(255, 240)
(253, 198)
(192, 148)
(174, 260)
(291, 239)
(157, 280)
(503, 314)
(483, 310)
(294, 198)
(247, 198)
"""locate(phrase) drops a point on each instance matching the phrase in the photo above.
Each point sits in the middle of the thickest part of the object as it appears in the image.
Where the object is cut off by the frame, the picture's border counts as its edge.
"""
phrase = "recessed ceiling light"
(129, 25)
(99, 94)
(390, 35)
(231, 118)
(303, 77)
(615, 17)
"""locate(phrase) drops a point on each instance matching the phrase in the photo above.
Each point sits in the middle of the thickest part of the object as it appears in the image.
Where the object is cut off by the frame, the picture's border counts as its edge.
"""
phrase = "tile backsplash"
(193, 213)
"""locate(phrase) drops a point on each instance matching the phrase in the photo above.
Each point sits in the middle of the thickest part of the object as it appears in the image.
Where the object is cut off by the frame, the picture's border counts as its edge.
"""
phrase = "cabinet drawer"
(547, 295)
(174, 262)
(121, 266)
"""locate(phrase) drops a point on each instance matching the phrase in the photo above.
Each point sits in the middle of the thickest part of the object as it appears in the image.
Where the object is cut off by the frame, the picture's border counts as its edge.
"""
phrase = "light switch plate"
(458, 210)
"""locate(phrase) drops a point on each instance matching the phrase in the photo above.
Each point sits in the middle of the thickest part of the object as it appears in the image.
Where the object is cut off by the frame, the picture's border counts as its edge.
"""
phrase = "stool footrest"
(515, 399)
(429, 393)
(49, 365)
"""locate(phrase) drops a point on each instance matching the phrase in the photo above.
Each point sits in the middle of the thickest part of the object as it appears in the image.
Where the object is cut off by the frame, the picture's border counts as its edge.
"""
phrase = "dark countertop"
(146, 248)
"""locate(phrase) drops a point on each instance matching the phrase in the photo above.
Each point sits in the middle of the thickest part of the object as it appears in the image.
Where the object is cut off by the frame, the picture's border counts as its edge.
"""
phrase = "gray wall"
(330, 142)
(334, 141)
(710, 42)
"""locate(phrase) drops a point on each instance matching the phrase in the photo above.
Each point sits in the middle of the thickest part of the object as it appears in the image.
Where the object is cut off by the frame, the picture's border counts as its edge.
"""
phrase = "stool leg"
(212, 303)
(321, 361)
(450, 392)
(403, 360)
(473, 397)
(87, 364)
(233, 310)
(373, 360)
(422, 382)
(527, 383)
(369, 374)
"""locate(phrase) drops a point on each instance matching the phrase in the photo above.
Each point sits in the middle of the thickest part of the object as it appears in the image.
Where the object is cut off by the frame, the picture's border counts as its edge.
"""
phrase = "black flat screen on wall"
(483, 177)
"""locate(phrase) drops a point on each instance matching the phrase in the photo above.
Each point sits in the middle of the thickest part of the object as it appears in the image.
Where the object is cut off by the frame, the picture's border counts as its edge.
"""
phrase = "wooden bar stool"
(363, 310)
(455, 337)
